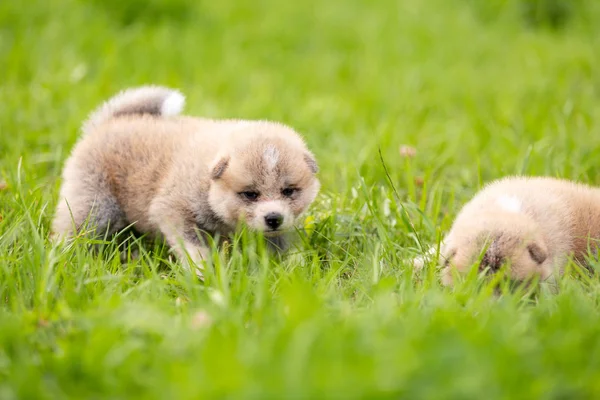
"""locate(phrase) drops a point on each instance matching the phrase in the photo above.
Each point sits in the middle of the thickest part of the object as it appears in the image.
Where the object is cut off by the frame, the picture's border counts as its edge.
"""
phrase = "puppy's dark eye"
(249, 195)
(288, 192)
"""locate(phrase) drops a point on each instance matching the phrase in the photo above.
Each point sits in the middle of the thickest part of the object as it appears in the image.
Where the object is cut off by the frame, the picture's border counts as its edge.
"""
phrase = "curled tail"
(151, 100)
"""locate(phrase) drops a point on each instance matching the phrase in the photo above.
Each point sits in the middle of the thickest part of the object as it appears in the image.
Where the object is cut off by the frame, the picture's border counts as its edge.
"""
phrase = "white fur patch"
(271, 156)
(509, 203)
(419, 261)
(173, 104)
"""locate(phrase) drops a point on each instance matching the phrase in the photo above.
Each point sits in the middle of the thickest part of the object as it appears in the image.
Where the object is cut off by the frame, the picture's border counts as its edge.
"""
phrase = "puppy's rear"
(87, 196)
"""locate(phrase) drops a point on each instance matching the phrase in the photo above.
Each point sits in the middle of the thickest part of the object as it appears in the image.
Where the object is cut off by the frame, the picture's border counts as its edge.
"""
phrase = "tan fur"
(554, 219)
(181, 177)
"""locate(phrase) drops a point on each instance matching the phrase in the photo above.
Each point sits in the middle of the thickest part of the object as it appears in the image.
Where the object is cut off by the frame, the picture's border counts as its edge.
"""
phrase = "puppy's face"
(496, 240)
(265, 183)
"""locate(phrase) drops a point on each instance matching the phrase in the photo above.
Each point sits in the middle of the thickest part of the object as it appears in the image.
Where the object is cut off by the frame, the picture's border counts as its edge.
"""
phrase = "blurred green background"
(480, 89)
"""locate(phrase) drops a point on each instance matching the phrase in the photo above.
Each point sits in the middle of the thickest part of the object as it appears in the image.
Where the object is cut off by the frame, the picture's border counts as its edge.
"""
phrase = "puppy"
(182, 178)
(531, 224)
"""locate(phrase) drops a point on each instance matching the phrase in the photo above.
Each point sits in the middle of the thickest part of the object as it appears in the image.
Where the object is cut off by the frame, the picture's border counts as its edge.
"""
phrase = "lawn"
(480, 89)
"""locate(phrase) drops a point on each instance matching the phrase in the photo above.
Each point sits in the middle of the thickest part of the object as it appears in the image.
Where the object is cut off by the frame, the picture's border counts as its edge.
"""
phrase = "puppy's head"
(493, 240)
(266, 178)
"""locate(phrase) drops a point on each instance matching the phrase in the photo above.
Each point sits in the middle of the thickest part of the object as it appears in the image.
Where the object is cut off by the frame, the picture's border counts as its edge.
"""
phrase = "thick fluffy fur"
(531, 224)
(181, 177)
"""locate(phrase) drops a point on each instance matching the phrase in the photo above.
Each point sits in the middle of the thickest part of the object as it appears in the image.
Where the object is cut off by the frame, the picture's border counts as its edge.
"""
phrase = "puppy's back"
(124, 153)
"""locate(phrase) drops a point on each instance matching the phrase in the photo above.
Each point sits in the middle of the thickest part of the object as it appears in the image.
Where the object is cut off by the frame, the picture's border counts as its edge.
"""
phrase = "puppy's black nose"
(273, 220)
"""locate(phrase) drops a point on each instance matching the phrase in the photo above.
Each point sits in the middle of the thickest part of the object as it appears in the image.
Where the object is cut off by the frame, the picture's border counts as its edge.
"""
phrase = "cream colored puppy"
(182, 178)
(531, 224)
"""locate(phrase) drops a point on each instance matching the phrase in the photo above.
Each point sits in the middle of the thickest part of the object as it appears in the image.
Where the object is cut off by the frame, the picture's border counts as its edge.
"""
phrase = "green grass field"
(481, 89)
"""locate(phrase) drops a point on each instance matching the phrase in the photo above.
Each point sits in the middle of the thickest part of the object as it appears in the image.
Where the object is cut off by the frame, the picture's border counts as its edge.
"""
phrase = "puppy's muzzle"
(273, 220)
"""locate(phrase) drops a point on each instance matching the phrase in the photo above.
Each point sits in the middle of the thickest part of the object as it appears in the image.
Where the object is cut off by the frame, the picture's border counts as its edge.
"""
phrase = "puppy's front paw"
(194, 259)
(56, 238)
(446, 277)
(418, 262)
(194, 265)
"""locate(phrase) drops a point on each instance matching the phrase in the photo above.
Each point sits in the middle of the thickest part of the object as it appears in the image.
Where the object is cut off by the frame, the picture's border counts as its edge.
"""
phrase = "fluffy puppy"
(139, 163)
(531, 224)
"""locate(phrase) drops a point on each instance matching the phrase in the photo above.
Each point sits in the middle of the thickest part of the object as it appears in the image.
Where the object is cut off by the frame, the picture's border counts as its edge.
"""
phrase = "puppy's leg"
(179, 230)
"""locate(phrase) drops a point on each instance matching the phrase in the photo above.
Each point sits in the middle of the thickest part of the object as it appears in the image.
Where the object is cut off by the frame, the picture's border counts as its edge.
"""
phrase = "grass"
(480, 89)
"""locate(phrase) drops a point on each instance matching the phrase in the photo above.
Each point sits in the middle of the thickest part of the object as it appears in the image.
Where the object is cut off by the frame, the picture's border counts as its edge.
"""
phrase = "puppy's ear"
(537, 253)
(312, 163)
(219, 167)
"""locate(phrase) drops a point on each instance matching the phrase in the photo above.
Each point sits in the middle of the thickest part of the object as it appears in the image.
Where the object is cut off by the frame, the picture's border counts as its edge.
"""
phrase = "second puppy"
(531, 224)
(181, 177)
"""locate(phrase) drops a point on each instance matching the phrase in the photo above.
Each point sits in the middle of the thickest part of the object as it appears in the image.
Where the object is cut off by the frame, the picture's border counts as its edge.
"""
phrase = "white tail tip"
(173, 104)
